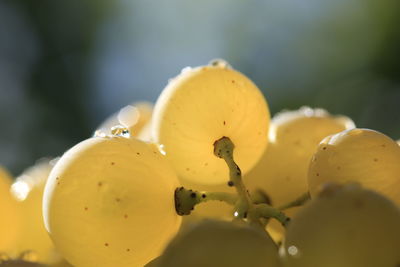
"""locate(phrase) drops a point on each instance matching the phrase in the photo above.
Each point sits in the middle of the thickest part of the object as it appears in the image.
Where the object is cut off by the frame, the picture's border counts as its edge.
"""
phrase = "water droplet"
(128, 116)
(186, 70)
(120, 130)
(293, 251)
(161, 149)
(29, 255)
(236, 214)
(99, 133)
(220, 63)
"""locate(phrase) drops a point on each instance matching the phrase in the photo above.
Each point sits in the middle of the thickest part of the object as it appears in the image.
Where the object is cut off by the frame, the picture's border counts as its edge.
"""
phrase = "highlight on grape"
(204, 177)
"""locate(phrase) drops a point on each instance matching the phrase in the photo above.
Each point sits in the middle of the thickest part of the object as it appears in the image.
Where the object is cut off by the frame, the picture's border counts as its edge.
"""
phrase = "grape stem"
(187, 199)
(297, 202)
(246, 207)
(223, 148)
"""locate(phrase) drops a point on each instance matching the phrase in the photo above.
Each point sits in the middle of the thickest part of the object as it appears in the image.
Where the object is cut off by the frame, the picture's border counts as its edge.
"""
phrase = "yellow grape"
(109, 201)
(28, 190)
(294, 137)
(9, 215)
(200, 106)
(282, 170)
(20, 263)
(219, 243)
(346, 227)
(359, 155)
(135, 118)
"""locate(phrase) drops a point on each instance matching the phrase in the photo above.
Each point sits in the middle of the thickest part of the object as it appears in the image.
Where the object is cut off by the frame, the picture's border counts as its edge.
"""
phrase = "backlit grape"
(110, 202)
(200, 106)
(359, 155)
(348, 227)
(218, 243)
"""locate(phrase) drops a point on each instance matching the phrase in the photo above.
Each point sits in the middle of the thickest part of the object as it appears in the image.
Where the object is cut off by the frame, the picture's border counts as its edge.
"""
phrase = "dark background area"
(67, 65)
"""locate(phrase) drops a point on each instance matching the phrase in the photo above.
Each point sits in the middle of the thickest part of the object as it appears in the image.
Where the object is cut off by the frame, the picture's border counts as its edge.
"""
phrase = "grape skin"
(10, 217)
(282, 171)
(350, 227)
(359, 155)
(219, 243)
(32, 234)
(110, 202)
(200, 106)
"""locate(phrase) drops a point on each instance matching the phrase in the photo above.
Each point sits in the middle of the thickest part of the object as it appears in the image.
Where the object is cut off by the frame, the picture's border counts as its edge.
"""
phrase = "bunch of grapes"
(206, 178)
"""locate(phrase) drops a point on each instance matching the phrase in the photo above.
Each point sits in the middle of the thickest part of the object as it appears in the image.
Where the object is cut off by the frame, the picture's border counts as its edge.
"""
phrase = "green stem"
(187, 199)
(223, 148)
(297, 202)
(266, 211)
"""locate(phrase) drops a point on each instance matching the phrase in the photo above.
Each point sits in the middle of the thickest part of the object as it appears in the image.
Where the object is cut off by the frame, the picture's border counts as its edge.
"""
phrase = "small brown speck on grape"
(338, 167)
(230, 183)
(58, 183)
(187, 169)
(112, 163)
(233, 81)
(203, 195)
(99, 184)
(317, 174)
(57, 178)
(128, 250)
(324, 148)
(118, 199)
(224, 122)
(86, 208)
(206, 164)
(375, 159)
(383, 145)
(106, 244)
(137, 153)
(126, 216)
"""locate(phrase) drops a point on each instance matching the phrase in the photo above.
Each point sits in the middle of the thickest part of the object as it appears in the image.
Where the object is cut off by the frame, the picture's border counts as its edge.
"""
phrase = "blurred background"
(67, 65)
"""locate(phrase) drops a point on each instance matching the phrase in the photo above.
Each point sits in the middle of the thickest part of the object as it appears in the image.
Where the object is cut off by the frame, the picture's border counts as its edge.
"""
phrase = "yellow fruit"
(294, 137)
(136, 118)
(218, 243)
(9, 215)
(110, 202)
(346, 227)
(359, 155)
(200, 106)
(28, 191)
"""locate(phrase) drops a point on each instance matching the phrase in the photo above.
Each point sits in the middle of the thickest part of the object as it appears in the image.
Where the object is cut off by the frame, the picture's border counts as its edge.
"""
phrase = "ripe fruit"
(218, 243)
(10, 217)
(346, 227)
(27, 189)
(110, 202)
(202, 105)
(358, 155)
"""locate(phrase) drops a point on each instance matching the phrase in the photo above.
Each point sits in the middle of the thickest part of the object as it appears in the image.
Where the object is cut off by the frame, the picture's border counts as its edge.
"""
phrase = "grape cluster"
(207, 178)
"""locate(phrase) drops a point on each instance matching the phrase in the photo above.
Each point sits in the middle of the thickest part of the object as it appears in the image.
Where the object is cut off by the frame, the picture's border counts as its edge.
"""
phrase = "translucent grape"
(110, 202)
(218, 243)
(9, 215)
(136, 118)
(348, 227)
(28, 190)
(293, 138)
(200, 106)
(359, 155)
(20, 263)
